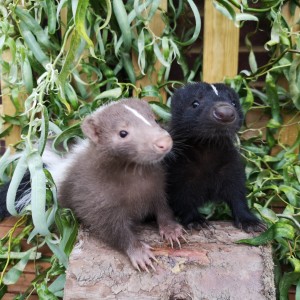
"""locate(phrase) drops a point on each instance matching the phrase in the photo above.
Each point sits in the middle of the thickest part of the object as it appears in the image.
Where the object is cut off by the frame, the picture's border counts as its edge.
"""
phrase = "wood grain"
(221, 45)
(209, 266)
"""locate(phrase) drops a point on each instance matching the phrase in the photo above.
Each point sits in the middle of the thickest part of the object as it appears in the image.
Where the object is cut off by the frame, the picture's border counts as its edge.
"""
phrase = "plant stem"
(291, 218)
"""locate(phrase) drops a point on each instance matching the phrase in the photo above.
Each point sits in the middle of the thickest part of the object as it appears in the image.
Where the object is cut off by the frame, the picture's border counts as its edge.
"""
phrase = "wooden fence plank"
(157, 26)
(221, 45)
(7, 105)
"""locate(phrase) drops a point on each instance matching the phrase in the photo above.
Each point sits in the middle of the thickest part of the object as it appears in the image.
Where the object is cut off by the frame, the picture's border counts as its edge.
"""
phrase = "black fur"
(23, 188)
(3, 210)
(205, 165)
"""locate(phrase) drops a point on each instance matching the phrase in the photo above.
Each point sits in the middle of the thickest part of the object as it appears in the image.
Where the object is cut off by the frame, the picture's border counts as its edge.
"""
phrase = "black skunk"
(205, 164)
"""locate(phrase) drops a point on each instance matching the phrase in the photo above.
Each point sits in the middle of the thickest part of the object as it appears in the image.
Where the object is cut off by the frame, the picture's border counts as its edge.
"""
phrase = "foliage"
(70, 57)
(272, 158)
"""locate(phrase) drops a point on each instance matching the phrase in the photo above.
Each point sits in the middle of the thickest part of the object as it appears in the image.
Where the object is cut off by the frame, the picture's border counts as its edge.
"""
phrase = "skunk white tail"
(57, 165)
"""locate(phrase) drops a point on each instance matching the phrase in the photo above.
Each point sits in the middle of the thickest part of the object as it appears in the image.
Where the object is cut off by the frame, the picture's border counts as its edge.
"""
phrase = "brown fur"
(116, 182)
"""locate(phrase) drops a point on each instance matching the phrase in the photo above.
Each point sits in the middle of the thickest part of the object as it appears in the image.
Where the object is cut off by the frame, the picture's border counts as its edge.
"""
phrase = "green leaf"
(128, 66)
(70, 132)
(44, 131)
(13, 275)
(27, 75)
(33, 26)
(295, 262)
(298, 291)
(38, 193)
(293, 82)
(51, 13)
(68, 228)
(297, 172)
(62, 97)
(273, 124)
(276, 231)
(284, 230)
(12, 47)
(2, 41)
(69, 61)
(19, 172)
(275, 34)
(273, 98)
(161, 110)
(80, 21)
(285, 283)
(124, 24)
(150, 91)
(160, 56)
(31, 42)
(6, 131)
(225, 9)
(248, 101)
(19, 255)
(197, 29)
(5, 160)
(57, 286)
(245, 17)
(262, 239)
(110, 94)
(267, 214)
(43, 292)
(290, 193)
(141, 52)
(71, 95)
(165, 47)
(3, 290)
(60, 254)
(289, 210)
(252, 61)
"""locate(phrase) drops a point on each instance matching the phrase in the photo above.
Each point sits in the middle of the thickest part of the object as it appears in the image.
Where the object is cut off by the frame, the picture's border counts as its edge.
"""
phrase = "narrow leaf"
(13, 275)
(19, 172)
(111, 94)
(80, 21)
(38, 193)
(124, 25)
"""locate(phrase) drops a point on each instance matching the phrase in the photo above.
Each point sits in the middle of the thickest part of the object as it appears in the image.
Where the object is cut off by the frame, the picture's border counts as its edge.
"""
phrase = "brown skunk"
(114, 179)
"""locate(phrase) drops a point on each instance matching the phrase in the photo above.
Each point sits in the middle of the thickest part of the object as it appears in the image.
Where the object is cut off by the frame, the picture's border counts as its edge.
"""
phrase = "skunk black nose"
(224, 113)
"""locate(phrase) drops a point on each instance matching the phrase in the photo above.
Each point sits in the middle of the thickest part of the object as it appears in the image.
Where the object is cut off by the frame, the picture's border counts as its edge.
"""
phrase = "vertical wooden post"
(291, 20)
(8, 107)
(221, 45)
(157, 26)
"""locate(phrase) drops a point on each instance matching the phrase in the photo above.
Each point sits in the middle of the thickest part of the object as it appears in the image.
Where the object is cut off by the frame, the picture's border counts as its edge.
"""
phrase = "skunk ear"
(90, 129)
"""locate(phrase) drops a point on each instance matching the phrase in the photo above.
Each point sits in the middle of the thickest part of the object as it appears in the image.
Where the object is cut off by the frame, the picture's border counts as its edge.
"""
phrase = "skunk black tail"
(23, 189)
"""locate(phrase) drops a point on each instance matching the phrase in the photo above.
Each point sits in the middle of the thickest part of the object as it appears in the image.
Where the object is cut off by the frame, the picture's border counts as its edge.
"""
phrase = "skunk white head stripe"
(137, 114)
(215, 89)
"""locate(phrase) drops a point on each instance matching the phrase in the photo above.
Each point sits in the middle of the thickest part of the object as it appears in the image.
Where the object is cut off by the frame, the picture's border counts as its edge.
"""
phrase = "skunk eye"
(123, 133)
(233, 103)
(195, 104)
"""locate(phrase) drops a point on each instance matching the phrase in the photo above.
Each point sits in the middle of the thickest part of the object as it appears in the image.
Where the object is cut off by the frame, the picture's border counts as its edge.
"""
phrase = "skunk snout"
(163, 144)
(224, 113)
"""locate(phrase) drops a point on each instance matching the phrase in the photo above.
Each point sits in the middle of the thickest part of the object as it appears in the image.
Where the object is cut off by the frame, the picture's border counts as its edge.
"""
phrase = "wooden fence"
(221, 41)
